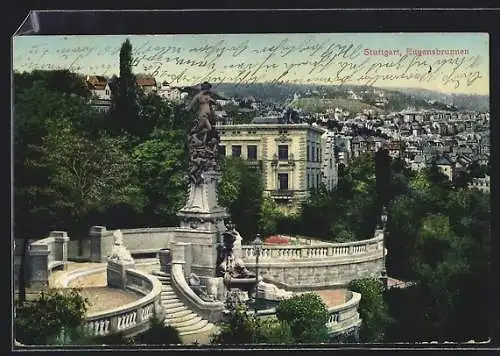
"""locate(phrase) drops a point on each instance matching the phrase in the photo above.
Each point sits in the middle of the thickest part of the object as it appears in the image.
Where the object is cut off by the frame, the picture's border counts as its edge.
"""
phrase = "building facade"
(290, 157)
(482, 184)
(329, 168)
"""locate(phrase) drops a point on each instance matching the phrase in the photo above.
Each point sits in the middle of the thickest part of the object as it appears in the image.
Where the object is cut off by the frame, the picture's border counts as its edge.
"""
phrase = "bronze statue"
(203, 137)
(204, 101)
(229, 262)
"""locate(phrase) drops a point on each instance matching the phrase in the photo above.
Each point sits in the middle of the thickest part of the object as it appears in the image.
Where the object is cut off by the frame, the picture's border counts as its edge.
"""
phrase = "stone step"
(176, 309)
(167, 304)
(163, 279)
(142, 261)
(195, 327)
(180, 324)
(164, 296)
(167, 288)
(174, 315)
(206, 329)
(160, 273)
(182, 318)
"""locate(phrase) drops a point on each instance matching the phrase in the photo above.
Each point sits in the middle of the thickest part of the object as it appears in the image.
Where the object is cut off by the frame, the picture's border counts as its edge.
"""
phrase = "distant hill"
(315, 104)
(312, 95)
(460, 101)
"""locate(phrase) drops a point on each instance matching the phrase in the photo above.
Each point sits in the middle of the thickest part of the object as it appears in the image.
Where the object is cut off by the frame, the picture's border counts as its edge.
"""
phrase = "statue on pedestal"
(203, 138)
(119, 253)
(229, 262)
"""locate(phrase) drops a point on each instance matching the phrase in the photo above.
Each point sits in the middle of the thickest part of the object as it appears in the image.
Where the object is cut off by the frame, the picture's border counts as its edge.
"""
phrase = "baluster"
(101, 327)
(90, 328)
(96, 327)
(106, 326)
(134, 318)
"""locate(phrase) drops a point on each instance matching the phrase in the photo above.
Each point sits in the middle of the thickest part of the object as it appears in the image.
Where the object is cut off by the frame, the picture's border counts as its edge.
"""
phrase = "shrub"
(272, 331)
(53, 313)
(307, 316)
(372, 309)
(240, 328)
(160, 334)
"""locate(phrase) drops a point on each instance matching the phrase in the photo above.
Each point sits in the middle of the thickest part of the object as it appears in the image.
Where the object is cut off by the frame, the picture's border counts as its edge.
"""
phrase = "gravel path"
(332, 297)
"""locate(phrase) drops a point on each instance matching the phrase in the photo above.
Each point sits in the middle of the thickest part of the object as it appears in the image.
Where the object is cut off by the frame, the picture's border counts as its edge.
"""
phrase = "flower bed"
(277, 240)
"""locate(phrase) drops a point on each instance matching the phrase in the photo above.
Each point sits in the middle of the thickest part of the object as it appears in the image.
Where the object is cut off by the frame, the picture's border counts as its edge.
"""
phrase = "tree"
(124, 113)
(55, 312)
(269, 217)
(43, 120)
(383, 176)
(372, 309)
(160, 164)
(241, 191)
(86, 175)
(307, 316)
(60, 81)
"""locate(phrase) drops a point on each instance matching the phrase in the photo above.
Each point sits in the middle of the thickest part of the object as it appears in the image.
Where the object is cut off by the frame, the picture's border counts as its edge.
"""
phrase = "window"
(313, 151)
(107, 91)
(236, 150)
(283, 181)
(308, 180)
(252, 152)
(222, 150)
(308, 147)
(331, 163)
(317, 154)
(317, 180)
(283, 152)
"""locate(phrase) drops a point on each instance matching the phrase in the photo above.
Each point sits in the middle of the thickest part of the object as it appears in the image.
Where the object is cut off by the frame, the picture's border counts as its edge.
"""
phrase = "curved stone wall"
(323, 265)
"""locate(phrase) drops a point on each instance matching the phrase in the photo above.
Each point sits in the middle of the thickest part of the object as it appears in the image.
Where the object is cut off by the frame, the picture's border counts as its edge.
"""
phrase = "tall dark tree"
(124, 114)
(383, 176)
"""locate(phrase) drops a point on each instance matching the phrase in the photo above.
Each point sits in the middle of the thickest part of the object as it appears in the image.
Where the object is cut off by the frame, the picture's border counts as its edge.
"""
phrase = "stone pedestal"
(60, 245)
(202, 225)
(165, 257)
(38, 262)
(115, 272)
(101, 243)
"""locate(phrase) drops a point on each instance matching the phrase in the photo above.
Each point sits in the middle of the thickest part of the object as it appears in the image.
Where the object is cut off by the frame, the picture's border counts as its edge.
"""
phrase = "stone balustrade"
(132, 318)
(341, 318)
(344, 317)
(179, 267)
(317, 251)
(319, 265)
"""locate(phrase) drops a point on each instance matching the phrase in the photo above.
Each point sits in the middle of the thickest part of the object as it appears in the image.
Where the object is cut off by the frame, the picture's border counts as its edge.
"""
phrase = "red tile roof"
(146, 82)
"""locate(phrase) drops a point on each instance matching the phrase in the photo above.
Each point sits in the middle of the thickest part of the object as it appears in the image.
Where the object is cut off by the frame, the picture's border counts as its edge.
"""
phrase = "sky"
(445, 62)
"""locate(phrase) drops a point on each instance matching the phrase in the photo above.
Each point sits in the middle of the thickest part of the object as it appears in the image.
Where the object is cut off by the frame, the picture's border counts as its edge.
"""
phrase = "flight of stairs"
(177, 314)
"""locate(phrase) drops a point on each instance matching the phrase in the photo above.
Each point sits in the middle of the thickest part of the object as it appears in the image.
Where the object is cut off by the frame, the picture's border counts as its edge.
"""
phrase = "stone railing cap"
(149, 298)
(95, 229)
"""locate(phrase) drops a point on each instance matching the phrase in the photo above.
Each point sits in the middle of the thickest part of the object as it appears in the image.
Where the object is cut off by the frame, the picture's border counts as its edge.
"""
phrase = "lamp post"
(383, 218)
(257, 249)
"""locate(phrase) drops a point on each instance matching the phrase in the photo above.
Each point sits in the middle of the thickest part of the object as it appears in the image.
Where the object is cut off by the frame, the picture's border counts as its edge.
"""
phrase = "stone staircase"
(178, 315)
